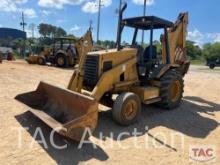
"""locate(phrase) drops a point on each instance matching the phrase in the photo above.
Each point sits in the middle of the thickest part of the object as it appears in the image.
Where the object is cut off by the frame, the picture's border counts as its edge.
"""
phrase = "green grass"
(197, 62)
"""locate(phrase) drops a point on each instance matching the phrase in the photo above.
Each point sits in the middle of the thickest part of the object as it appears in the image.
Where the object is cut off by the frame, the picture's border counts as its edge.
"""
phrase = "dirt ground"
(195, 122)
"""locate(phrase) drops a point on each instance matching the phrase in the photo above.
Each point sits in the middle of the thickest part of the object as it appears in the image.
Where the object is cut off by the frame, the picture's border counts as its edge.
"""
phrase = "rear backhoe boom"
(177, 43)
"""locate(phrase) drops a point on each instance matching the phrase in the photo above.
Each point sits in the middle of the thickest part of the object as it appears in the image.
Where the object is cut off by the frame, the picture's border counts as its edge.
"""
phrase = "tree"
(108, 43)
(43, 30)
(193, 51)
(47, 30)
(59, 32)
(21, 44)
(158, 46)
(72, 36)
(45, 41)
(211, 51)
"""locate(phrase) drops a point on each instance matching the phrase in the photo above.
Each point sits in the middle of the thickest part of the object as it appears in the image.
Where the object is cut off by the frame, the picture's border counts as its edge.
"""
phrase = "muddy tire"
(61, 60)
(126, 109)
(171, 90)
(41, 61)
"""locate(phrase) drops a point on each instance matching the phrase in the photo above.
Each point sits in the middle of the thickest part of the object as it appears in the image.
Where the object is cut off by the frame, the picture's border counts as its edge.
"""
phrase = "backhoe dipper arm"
(83, 46)
(177, 40)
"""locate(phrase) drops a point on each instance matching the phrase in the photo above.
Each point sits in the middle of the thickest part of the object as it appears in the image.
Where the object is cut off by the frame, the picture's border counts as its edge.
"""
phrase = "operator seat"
(147, 63)
(146, 54)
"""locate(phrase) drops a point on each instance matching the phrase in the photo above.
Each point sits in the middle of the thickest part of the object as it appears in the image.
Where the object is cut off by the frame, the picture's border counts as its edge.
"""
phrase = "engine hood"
(114, 51)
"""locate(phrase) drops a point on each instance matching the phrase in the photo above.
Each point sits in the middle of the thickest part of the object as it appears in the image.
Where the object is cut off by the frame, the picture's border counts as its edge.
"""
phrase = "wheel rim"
(60, 61)
(130, 110)
(175, 90)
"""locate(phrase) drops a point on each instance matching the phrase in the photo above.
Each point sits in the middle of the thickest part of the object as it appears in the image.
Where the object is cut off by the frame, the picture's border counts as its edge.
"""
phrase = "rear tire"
(61, 60)
(126, 108)
(41, 61)
(171, 90)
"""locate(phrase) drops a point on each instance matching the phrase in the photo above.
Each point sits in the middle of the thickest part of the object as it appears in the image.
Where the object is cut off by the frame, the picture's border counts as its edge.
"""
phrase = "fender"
(60, 52)
(183, 69)
(166, 68)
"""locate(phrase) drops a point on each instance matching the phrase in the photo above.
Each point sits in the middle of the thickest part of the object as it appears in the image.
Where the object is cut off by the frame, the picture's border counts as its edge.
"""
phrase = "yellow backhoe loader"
(134, 74)
(63, 52)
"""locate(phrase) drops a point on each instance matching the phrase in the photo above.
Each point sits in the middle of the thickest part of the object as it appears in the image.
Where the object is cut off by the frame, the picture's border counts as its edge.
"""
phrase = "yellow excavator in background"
(64, 54)
(136, 75)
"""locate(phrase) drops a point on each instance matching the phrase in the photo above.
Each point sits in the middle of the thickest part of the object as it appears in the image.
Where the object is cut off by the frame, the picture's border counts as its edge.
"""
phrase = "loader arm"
(83, 46)
(177, 40)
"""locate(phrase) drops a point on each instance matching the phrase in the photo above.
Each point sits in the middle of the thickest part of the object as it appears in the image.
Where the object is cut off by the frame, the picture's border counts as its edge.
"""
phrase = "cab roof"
(65, 38)
(145, 22)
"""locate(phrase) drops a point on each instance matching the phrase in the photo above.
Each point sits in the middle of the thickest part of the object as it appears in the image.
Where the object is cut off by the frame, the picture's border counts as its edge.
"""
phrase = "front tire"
(41, 61)
(171, 91)
(126, 108)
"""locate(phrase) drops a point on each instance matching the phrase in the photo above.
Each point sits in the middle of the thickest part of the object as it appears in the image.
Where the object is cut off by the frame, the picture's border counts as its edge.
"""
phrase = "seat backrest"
(146, 54)
(140, 51)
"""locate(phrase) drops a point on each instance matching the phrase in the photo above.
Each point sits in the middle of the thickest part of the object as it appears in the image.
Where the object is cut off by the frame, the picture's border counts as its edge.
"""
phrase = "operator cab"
(148, 60)
(66, 44)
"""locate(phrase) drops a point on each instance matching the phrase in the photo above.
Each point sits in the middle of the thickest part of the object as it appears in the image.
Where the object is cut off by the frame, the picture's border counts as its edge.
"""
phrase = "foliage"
(18, 43)
(59, 32)
(158, 46)
(211, 51)
(45, 41)
(47, 30)
(197, 62)
(72, 36)
(193, 51)
(107, 44)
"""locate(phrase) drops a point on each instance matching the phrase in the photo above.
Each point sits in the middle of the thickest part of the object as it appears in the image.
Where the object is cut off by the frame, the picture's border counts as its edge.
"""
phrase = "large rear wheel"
(61, 60)
(126, 108)
(171, 91)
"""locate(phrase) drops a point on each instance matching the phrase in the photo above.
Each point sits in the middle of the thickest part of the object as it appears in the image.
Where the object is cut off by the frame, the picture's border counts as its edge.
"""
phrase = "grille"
(91, 71)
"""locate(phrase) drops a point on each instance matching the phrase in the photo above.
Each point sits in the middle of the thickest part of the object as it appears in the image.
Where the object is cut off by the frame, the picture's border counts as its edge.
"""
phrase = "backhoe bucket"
(67, 112)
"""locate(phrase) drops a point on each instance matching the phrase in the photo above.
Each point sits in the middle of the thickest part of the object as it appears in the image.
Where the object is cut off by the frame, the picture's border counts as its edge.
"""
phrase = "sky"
(74, 15)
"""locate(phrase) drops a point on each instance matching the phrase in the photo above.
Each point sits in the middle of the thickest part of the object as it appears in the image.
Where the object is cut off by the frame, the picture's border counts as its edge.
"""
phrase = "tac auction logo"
(202, 153)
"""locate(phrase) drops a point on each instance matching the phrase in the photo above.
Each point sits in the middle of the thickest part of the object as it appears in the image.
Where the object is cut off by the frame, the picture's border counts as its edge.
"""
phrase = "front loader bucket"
(67, 112)
(29, 61)
(32, 59)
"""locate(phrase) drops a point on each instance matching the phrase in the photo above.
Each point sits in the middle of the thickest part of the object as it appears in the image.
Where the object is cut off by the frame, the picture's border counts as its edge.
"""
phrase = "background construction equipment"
(64, 52)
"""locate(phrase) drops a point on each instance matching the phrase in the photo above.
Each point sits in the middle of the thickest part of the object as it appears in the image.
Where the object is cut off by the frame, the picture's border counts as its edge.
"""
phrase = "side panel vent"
(91, 71)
